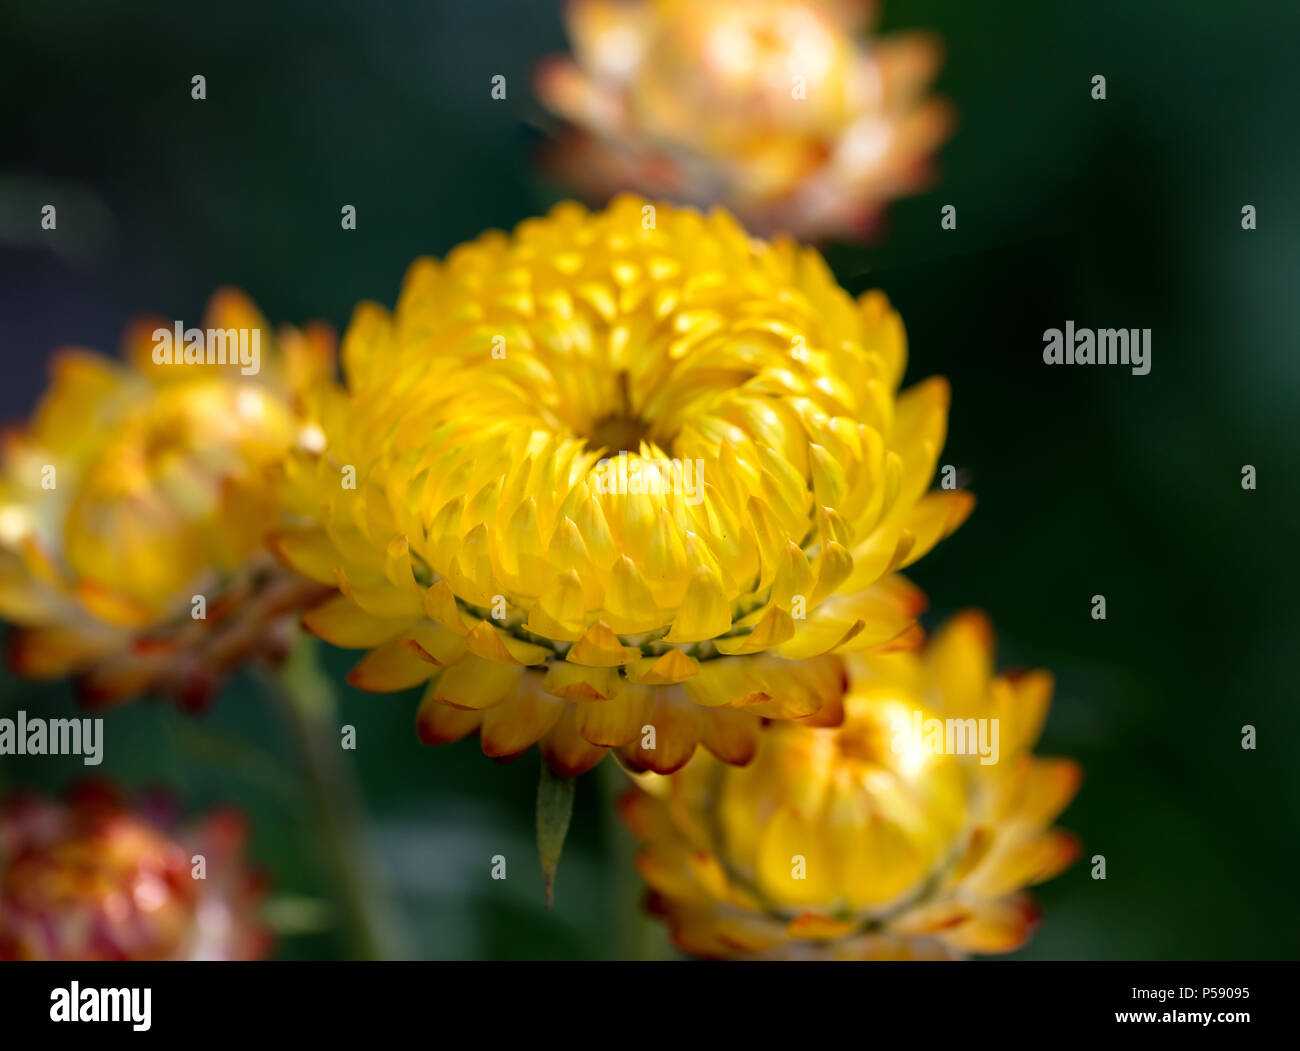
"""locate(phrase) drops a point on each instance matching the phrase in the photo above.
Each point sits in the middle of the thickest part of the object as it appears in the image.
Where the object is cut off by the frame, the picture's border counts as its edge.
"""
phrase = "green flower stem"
(309, 706)
(639, 937)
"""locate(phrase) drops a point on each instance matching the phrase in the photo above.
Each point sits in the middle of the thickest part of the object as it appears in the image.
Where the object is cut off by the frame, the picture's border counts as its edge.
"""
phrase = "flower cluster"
(628, 480)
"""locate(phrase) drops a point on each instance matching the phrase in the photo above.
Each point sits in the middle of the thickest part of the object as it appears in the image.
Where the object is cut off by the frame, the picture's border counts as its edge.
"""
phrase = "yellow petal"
(397, 566)
(793, 865)
(489, 642)
(567, 752)
(629, 607)
(677, 725)
(829, 482)
(834, 564)
(937, 515)
(1022, 864)
(997, 926)
(730, 734)
(439, 604)
(575, 682)
(794, 576)
(561, 611)
(107, 604)
(722, 682)
(390, 667)
(306, 551)
(666, 562)
(438, 723)
(519, 722)
(339, 621)
(435, 644)
(1038, 790)
(672, 666)
(600, 648)
(920, 425)
(960, 656)
(705, 611)
(773, 628)
(615, 722)
(476, 684)
(379, 598)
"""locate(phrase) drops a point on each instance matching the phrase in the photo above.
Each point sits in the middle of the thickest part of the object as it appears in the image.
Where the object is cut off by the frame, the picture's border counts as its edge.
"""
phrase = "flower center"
(619, 432)
(622, 429)
(861, 741)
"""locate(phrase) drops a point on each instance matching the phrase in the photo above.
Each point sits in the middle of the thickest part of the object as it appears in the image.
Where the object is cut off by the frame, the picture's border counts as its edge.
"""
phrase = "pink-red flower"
(92, 878)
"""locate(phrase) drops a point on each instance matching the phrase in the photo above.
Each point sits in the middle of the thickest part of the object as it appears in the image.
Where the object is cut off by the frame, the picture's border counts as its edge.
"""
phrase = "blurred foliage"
(1120, 213)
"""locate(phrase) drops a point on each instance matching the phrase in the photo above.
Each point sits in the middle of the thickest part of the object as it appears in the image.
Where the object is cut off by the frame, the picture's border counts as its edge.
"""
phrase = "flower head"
(133, 506)
(94, 879)
(620, 480)
(875, 838)
(774, 108)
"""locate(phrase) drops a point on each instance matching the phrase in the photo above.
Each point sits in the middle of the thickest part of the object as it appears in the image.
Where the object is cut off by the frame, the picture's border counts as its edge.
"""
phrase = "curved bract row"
(617, 478)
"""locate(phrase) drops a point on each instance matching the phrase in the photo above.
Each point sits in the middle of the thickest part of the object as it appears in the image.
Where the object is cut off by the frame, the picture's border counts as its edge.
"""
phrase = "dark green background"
(1122, 213)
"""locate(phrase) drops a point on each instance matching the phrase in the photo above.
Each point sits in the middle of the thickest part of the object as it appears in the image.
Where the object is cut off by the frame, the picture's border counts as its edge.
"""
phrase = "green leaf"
(554, 809)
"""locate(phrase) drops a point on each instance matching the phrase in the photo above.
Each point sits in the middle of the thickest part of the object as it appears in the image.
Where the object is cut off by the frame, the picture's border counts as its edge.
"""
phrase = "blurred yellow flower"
(777, 109)
(620, 480)
(94, 879)
(134, 505)
(863, 840)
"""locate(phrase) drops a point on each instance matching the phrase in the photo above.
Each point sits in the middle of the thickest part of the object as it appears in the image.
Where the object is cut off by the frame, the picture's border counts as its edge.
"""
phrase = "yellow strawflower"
(133, 506)
(784, 111)
(620, 479)
(906, 831)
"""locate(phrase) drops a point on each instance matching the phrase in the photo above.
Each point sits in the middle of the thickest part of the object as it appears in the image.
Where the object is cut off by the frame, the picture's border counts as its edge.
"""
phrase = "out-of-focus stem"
(638, 936)
(310, 709)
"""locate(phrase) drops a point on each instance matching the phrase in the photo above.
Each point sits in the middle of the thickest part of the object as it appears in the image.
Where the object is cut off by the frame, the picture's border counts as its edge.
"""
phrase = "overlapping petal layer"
(863, 840)
(140, 485)
(620, 480)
